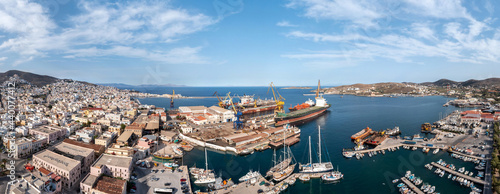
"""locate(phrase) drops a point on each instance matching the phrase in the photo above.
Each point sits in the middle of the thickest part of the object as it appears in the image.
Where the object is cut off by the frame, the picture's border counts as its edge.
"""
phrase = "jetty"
(466, 155)
(475, 180)
(411, 185)
(289, 141)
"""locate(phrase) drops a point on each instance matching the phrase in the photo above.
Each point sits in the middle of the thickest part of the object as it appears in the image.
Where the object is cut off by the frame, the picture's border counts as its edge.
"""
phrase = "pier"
(185, 174)
(475, 180)
(290, 141)
(470, 156)
(411, 186)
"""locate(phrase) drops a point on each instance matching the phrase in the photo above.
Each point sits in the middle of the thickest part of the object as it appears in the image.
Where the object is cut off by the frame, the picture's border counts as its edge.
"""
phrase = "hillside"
(490, 82)
(372, 89)
(35, 79)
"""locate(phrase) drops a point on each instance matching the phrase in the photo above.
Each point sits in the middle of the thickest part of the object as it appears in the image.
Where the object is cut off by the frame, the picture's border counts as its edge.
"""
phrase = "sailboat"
(334, 176)
(284, 170)
(205, 178)
(316, 167)
(277, 165)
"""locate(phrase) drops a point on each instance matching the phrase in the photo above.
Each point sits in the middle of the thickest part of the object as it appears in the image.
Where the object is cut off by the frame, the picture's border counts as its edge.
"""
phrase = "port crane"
(317, 91)
(222, 103)
(280, 101)
(172, 99)
(237, 124)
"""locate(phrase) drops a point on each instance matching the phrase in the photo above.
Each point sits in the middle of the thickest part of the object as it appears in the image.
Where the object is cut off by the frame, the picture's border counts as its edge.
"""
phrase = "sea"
(347, 115)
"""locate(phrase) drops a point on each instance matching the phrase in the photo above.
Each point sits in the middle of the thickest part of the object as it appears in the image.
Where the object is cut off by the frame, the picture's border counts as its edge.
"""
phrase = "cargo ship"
(306, 104)
(304, 114)
(248, 101)
(361, 134)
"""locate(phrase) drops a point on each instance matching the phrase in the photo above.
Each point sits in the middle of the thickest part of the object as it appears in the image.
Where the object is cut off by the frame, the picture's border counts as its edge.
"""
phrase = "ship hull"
(362, 135)
(279, 121)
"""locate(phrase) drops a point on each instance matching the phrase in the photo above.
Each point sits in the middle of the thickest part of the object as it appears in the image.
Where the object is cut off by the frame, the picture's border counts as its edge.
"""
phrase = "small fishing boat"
(304, 177)
(333, 176)
(170, 165)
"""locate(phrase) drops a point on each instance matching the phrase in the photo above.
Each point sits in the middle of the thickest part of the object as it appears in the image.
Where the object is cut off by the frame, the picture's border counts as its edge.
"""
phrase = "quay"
(185, 174)
(288, 142)
(475, 180)
(411, 186)
(470, 156)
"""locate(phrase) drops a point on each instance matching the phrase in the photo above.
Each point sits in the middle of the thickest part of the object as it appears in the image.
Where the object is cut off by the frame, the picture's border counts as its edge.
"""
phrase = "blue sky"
(251, 43)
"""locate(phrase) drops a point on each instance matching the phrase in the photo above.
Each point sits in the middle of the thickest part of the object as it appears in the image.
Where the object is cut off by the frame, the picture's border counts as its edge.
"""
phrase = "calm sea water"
(347, 116)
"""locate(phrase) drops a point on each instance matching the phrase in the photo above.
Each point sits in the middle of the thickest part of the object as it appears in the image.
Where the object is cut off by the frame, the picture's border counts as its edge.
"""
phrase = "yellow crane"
(221, 102)
(172, 99)
(280, 101)
(317, 91)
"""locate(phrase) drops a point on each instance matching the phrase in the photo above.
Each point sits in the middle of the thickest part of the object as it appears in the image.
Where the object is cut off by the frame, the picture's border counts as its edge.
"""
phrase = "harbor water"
(348, 115)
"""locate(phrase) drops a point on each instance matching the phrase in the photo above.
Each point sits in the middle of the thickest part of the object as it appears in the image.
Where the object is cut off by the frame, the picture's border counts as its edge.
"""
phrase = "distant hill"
(490, 82)
(127, 86)
(35, 79)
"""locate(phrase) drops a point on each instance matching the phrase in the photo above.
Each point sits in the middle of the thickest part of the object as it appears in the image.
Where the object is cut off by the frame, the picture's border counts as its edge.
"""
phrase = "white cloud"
(20, 61)
(130, 27)
(360, 12)
(3, 58)
(422, 30)
(414, 29)
(285, 24)
(447, 9)
(402, 48)
(26, 19)
(177, 55)
(325, 37)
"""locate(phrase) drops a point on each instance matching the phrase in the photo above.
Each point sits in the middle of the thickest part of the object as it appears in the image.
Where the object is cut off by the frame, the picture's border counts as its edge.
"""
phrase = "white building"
(225, 115)
(186, 129)
(22, 130)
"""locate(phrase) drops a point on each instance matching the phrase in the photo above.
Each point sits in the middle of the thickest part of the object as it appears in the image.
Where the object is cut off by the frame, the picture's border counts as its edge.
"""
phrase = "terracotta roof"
(110, 185)
(469, 117)
(95, 147)
(91, 108)
(471, 112)
(44, 171)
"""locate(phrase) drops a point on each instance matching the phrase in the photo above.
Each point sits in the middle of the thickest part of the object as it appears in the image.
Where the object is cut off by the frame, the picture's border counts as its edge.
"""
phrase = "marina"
(411, 185)
(455, 173)
(390, 145)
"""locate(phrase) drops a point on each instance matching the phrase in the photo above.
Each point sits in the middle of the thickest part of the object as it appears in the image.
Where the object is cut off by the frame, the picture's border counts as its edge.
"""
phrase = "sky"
(252, 43)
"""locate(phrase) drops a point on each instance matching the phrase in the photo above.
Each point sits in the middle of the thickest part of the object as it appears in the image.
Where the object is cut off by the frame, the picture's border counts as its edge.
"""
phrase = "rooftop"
(219, 109)
(95, 147)
(112, 160)
(47, 129)
(89, 180)
(125, 136)
(110, 185)
(57, 160)
(74, 149)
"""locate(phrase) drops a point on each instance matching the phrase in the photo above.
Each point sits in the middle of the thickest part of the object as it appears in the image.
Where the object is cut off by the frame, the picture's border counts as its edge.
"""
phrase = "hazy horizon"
(252, 43)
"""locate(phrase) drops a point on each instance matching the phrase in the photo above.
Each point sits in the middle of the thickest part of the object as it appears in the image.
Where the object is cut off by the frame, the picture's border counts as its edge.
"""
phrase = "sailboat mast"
(319, 143)
(284, 145)
(310, 155)
(206, 161)
(274, 157)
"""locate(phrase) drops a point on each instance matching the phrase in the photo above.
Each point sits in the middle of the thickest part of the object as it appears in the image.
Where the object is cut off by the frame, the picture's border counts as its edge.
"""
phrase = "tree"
(122, 126)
